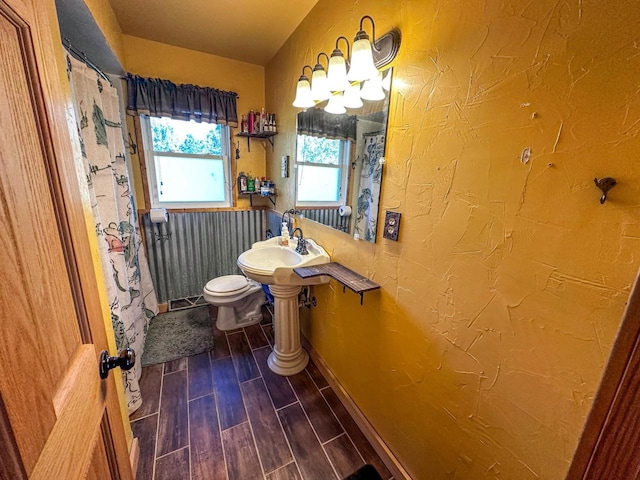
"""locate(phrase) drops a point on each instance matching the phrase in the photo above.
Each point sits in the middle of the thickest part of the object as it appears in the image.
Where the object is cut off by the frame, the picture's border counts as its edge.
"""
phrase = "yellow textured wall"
(480, 356)
(158, 60)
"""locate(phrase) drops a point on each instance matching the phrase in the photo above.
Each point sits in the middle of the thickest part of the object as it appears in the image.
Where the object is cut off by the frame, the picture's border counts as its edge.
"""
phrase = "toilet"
(239, 301)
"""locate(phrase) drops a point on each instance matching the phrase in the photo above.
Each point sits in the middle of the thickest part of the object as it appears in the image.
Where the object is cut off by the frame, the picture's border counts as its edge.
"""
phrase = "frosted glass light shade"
(303, 94)
(337, 72)
(372, 89)
(319, 88)
(336, 104)
(362, 66)
(352, 96)
(386, 81)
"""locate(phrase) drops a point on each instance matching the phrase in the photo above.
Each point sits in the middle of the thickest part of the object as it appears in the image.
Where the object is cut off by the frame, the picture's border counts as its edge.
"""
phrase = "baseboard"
(163, 307)
(369, 432)
(134, 455)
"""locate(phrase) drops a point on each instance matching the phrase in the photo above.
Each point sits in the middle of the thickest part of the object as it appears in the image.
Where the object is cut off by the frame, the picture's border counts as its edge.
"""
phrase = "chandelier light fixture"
(303, 91)
(352, 98)
(336, 104)
(349, 80)
(362, 66)
(319, 88)
(372, 88)
(337, 71)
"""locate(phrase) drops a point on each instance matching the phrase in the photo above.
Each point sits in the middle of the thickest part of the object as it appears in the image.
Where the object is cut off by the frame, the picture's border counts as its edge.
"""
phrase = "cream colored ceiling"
(247, 30)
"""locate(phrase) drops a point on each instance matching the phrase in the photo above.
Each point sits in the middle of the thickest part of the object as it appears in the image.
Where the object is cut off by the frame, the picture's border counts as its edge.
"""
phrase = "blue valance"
(162, 98)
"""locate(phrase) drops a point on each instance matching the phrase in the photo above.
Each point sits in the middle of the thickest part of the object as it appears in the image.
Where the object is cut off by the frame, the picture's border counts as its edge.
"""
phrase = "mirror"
(338, 168)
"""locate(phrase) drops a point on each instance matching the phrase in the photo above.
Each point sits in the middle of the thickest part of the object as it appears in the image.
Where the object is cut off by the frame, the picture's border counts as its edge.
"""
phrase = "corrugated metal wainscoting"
(326, 216)
(203, 245)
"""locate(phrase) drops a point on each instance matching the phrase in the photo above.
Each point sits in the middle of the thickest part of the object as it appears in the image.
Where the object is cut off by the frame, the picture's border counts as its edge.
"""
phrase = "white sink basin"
(270, 263)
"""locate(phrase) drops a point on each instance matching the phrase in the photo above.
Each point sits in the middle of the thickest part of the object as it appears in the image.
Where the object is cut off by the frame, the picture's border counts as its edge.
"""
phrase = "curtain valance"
(162, 98)
(318, 123)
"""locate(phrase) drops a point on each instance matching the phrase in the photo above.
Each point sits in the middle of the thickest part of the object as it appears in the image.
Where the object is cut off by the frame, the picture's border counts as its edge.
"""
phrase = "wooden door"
(58, 420)
(609, 448)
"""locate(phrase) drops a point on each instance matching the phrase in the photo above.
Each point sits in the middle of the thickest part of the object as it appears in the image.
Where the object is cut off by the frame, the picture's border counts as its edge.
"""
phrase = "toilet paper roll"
(344, 211)
(158, 215)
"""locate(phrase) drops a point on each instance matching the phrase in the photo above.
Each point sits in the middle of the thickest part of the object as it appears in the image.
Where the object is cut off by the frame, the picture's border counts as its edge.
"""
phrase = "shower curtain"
(130, 292)
(370, 178)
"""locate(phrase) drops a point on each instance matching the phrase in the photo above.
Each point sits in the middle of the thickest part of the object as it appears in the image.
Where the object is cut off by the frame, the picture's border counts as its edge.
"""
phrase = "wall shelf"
(268, 136)
(348, 278)
(271, 197)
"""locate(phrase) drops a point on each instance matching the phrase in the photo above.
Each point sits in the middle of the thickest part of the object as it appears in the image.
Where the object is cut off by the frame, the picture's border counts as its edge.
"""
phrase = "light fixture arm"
(346, 40)
(373, 30)
(325, 56)
(306, 66)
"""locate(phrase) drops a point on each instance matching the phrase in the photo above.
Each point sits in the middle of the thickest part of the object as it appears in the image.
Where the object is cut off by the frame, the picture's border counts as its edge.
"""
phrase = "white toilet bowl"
(239, 301)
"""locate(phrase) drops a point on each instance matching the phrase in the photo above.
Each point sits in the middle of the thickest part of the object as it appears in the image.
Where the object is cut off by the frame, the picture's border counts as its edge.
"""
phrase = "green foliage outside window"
(318, 150)
(185, 137)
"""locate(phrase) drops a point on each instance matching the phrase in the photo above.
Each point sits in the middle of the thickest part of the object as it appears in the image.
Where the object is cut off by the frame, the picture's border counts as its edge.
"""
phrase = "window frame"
(343, 167)
(151, 172)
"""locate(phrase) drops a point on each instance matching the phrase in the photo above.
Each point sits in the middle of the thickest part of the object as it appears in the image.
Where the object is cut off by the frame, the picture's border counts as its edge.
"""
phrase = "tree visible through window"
(190, 165)
(321, 175)
(166, 139)
(318, 150)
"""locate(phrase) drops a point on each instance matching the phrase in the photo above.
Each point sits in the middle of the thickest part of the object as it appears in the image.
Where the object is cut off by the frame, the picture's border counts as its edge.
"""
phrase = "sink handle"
(301, 247)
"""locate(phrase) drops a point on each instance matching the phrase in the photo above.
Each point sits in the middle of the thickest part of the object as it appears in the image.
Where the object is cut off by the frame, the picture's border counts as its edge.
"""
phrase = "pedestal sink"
(270, 263)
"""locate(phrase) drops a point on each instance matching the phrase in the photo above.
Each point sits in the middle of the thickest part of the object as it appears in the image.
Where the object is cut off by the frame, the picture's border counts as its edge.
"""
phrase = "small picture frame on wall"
(391, 226)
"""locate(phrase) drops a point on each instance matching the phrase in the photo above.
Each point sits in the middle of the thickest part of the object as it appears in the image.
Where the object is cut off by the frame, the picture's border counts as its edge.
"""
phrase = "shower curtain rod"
(80, 55)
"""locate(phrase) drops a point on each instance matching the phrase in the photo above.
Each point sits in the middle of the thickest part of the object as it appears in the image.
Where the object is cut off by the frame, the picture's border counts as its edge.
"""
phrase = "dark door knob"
(126, 360)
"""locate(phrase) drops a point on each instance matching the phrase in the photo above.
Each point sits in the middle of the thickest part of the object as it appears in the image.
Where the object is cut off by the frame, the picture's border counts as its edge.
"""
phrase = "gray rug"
(174, 335)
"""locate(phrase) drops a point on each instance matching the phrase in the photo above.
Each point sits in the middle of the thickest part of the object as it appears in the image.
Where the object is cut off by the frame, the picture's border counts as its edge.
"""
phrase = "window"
(187, 163)
(321, 171)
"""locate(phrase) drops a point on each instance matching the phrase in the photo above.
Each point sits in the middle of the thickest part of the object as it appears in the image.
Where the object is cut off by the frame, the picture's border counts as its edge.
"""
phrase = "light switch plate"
(391, 225)
(285, 166)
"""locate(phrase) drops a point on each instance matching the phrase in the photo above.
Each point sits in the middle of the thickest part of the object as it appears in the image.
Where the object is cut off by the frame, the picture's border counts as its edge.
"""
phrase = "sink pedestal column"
(288, 357)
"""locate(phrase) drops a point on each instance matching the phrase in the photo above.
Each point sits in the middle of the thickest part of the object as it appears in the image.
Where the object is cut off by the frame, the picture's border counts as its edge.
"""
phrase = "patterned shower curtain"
(370, 178)
(132, 298)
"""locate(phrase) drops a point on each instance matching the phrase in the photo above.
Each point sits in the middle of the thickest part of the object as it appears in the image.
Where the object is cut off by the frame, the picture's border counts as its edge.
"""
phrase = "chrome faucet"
(288, 213)
(301, 246)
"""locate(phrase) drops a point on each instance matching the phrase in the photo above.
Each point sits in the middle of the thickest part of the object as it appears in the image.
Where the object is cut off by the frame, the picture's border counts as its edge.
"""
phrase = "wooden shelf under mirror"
(347, 277)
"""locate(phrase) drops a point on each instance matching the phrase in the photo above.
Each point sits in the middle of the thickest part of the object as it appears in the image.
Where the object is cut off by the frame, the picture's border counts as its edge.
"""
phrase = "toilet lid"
(228, 285)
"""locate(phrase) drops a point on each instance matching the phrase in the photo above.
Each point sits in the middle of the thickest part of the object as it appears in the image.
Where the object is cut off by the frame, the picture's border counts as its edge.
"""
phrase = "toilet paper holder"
(157, 217)
(159, 237)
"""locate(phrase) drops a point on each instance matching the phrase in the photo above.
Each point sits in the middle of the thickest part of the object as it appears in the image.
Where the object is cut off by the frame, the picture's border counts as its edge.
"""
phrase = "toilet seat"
(238, 299)
(228, 285)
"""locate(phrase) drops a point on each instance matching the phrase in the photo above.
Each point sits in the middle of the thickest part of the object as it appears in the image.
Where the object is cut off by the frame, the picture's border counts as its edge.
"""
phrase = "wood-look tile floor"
(224, 415)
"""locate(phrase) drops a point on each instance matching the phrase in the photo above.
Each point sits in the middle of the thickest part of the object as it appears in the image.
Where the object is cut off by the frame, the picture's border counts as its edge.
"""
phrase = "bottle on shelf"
(242, 183)
(264, 187)
(263, 120)
(252, 122)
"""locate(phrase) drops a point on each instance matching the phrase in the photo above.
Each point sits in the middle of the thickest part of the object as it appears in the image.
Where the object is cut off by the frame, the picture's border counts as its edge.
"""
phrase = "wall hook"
(604, 184)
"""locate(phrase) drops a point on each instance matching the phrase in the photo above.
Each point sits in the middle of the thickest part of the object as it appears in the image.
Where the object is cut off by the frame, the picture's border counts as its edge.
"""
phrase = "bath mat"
(368, 472)
(174, 335)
